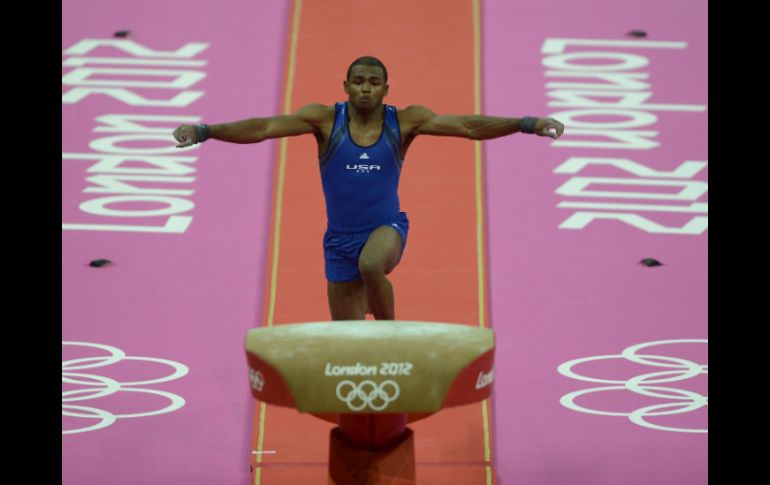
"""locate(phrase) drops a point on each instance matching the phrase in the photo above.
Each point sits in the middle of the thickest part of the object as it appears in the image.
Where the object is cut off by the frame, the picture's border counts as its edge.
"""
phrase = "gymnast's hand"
(185, 135)
(549, 127)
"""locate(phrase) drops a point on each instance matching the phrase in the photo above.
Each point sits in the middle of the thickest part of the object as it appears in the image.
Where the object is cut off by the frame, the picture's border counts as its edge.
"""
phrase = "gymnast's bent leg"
(380, 255)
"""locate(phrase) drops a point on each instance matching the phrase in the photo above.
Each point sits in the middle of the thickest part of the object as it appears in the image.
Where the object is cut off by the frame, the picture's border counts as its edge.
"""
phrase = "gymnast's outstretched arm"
(307, 119)
(419, 120)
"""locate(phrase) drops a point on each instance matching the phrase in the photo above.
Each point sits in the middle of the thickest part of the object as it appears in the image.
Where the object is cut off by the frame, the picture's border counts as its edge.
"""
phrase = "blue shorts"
(342, 249)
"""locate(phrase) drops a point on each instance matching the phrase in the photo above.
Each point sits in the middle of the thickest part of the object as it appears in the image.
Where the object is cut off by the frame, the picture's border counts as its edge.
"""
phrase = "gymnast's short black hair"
(368, 61)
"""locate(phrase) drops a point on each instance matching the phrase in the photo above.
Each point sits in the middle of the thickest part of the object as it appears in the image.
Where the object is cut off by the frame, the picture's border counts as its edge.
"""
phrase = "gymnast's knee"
(371, 270)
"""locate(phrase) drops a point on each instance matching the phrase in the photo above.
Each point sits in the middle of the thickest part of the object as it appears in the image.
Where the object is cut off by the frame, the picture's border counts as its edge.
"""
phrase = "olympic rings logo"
(257, 379)
(646, 385)
(367, 393)
(96, 386)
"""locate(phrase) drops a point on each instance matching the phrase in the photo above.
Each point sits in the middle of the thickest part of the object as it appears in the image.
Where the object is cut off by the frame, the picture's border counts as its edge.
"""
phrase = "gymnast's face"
(366, 87)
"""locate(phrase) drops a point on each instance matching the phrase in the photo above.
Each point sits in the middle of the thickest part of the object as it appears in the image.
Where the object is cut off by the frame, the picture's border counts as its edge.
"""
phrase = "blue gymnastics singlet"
(361, 183)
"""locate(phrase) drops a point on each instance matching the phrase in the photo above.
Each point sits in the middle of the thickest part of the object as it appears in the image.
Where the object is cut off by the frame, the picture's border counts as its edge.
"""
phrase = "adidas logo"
(364, 157)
